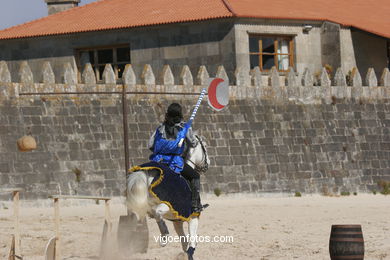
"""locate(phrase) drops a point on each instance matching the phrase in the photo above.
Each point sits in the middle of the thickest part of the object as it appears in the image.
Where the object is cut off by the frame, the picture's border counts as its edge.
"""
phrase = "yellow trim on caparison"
(154, 184)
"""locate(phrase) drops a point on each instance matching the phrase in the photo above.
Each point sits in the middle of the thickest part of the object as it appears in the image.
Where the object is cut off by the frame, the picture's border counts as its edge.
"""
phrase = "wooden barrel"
(346, 242)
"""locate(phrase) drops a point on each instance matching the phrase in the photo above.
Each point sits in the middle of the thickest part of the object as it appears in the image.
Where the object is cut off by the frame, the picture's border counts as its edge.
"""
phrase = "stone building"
(233, 33)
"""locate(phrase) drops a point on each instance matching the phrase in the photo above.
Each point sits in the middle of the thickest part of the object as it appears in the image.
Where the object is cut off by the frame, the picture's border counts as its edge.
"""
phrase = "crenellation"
(385, 78)
(339, 78)
(69, 76)
(167, 76)
(371, 79)
(109, 75)
(221, 73)
(186, 78)
(48, 76)
(248, 84)
(273, 79)
(242, 82)
(5, 75)
(291, 79)
(203, 76)
(356, 78)
(242, 77)
(147, 76)
(25, 73)
(307, 78)
(325, 80)
(256, 77)
(128, 76)
(88, 77)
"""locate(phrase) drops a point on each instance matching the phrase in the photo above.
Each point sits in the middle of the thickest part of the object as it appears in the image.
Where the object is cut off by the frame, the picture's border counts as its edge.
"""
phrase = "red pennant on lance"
(218, 93)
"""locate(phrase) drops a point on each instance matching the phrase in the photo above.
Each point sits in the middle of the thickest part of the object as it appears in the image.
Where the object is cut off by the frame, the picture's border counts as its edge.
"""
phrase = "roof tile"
(115, 14)
(369, 15)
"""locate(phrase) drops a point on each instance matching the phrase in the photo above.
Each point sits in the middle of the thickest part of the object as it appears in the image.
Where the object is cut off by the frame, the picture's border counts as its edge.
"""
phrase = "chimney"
(56, 6)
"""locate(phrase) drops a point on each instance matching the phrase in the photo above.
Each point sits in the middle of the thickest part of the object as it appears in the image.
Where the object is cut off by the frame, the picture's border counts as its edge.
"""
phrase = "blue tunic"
(167, 150)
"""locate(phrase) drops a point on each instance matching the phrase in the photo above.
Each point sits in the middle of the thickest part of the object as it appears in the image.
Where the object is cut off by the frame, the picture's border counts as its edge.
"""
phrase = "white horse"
(141, 202)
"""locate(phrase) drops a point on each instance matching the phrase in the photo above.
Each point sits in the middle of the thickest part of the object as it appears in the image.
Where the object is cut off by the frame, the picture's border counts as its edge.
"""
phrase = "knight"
(168, 148)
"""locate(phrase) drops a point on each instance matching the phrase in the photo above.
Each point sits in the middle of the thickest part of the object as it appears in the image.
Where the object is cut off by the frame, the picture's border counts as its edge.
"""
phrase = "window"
(269, 51)
(117, 56)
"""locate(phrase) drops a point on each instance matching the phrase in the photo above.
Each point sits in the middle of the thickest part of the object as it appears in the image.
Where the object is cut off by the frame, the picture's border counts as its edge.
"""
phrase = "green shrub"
(385, 186)
(345, 193)
(298, 194)
(77, 172)
(217, 192)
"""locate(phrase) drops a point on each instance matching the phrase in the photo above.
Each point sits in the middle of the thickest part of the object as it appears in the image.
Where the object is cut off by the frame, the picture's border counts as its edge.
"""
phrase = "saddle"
(171, 189)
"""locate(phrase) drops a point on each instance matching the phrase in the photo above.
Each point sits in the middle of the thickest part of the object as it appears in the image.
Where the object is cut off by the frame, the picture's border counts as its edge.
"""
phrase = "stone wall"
(191, 44)
(283, 136)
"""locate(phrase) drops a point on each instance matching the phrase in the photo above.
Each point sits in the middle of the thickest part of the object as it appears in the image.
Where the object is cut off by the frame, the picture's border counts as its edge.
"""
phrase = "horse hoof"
(190, 253)
(164, 241)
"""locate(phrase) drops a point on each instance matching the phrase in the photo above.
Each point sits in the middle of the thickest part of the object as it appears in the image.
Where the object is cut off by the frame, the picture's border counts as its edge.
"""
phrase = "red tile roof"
(369, 15)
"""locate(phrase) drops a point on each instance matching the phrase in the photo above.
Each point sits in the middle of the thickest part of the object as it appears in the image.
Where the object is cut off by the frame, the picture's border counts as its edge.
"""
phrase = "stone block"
(147, 76)
(325, 80)
(25, 73)
(47, 74)
(384, 81)
(242, 78)
(371, 79)
(202, 76)
(356, 78)
(128, 76)
(88, 77)
(167, 76)
(69, 76)
(339, 78)
(5, 75)
(307, 78)
(109, 75)
(186, 78)
(221, 73)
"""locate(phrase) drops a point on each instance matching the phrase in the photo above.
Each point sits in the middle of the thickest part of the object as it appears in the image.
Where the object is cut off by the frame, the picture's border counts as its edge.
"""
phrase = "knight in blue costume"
(164, 143)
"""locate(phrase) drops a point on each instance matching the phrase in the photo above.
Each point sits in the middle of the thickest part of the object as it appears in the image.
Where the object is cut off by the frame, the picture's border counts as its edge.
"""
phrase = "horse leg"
(179, 228)
(192, 230)
(160, 211)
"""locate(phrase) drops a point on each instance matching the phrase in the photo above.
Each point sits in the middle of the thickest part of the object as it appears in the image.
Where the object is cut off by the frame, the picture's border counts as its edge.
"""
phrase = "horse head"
(197, 156)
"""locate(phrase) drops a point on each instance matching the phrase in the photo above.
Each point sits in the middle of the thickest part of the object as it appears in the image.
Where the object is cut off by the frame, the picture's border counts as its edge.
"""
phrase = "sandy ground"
(262, 228)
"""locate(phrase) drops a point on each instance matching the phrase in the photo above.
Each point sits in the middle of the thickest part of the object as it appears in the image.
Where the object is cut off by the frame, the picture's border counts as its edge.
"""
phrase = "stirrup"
(200, 209)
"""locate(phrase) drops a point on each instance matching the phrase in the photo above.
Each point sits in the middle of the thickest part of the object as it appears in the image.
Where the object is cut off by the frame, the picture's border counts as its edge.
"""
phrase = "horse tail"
(137, 194)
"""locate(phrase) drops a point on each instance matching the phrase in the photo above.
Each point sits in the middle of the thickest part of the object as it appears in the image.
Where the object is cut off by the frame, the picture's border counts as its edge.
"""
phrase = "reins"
(205, 164)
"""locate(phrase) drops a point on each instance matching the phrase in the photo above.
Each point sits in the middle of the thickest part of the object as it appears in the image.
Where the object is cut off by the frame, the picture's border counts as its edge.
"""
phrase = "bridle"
(205, 165)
